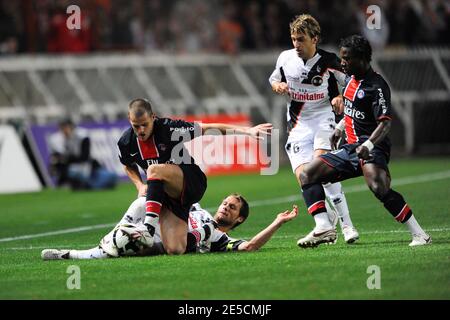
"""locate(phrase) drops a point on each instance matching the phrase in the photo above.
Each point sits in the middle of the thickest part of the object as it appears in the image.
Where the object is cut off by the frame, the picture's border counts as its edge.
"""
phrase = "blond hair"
(306, 24)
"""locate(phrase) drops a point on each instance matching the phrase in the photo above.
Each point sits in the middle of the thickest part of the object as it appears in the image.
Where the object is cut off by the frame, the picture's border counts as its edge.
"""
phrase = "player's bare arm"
(337, 134)
(280, 87)
(261, 238)
(257, 131)
(135, 177)
(337, 103)
(377, 135)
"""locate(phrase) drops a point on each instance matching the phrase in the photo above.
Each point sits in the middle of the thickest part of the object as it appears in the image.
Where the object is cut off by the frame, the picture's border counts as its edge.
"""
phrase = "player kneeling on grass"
(206, 233)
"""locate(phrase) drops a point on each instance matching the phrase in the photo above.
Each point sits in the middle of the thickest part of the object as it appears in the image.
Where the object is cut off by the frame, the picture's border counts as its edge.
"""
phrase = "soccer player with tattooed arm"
(366, 124)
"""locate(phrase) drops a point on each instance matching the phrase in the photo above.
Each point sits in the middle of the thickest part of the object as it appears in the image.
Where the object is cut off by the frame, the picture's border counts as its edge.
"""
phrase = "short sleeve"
(124, 154)
(225, 243)
(382, 109)
(277, 75)
(181, 130)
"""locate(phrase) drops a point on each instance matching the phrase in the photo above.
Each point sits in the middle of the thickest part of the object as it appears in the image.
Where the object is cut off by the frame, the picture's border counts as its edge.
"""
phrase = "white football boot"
(55, 254)
(420, 240)
(138, 232)
(316, 237)
(350, 234)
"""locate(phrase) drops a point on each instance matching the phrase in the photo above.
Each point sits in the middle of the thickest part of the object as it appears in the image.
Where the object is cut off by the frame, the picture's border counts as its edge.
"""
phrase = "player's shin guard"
(154, 198)
(94, 253)
(396, 205)
(314, 196)
(334, 193)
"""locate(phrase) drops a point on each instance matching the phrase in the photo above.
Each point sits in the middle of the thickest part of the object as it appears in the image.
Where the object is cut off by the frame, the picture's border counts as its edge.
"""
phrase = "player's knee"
(306, 177)
(378, 188)
(175, 249)
(155, 171)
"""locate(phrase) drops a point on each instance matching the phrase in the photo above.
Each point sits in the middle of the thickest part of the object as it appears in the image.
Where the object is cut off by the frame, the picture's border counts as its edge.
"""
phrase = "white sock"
(334, 193)
(414, 226)
(94, 253)
(322, 221)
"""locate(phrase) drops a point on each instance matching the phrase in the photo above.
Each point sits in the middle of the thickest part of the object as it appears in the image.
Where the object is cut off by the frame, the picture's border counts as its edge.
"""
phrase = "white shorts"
(308, 136)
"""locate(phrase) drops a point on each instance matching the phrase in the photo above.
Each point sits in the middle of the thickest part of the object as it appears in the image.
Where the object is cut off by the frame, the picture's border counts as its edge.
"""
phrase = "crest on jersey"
(360, 94)
(317, 80)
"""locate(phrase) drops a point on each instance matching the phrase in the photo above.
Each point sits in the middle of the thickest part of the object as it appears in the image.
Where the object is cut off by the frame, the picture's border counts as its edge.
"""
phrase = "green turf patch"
(280, 270)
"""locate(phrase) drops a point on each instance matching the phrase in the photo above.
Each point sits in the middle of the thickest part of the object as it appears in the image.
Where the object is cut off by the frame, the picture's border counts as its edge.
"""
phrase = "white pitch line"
(444, 229)
(53, 233)
(442, 175)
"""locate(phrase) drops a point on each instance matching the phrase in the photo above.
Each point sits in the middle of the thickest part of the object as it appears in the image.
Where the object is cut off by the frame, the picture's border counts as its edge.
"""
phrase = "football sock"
(414, 226)
(334, 193)
(135, 212)
(314, 196)
(191, 243)
(322, 221)
(197, 235)
(154, 198)
(396, 205)
(94, 253)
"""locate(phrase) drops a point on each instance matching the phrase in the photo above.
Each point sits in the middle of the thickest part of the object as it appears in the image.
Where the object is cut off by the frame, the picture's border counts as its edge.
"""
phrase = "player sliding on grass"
(366, 123)
(174, 182)
(206, 234)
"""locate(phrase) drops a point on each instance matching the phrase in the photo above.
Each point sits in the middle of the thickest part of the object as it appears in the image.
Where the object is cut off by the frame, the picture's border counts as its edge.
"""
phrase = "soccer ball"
(125, 245)
(126, 240)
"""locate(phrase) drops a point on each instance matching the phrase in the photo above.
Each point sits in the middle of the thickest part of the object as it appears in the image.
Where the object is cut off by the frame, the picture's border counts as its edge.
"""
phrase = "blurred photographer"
(71, 162)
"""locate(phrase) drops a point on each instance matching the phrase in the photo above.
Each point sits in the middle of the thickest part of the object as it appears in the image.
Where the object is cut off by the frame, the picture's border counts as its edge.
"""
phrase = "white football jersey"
(312, 85)
(218, 241)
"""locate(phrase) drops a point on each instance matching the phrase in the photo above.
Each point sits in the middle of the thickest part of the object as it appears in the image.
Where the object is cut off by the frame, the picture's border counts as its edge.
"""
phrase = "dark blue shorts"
(194, 187)
(347, 164)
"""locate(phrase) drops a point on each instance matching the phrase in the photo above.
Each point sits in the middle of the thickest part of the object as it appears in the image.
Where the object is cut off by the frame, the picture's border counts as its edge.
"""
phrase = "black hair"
(359, 47)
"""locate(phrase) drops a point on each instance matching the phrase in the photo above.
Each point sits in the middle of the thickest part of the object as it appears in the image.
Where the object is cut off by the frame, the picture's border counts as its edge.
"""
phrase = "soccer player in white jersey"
(309, 77)
(206, 233)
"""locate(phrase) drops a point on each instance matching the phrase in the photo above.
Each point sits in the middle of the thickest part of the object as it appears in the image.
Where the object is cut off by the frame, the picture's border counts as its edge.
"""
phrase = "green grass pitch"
(280, 270)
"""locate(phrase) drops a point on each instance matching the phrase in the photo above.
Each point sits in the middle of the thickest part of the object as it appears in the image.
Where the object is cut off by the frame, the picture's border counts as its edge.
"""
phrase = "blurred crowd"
(230, 26)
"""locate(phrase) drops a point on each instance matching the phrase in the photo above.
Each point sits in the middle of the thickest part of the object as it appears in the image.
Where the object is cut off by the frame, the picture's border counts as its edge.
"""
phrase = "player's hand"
(363, 152)
(281, 88)
(335, 137)
(337, 103)
(288, 215)
(260, 130)
(142, 191)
